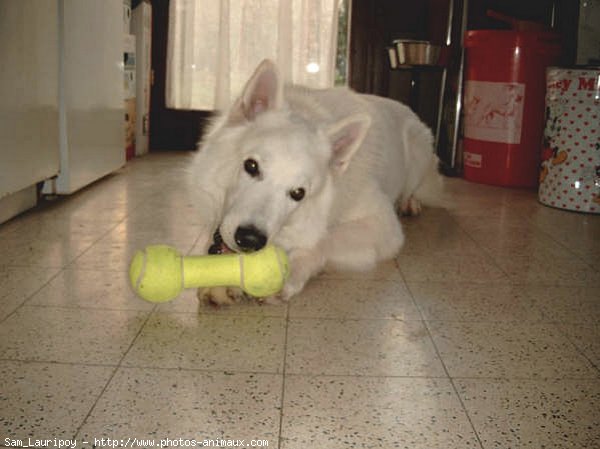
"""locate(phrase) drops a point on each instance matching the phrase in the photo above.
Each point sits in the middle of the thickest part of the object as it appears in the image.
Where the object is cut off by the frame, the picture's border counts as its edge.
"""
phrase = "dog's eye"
(251, 167)
(297, 194)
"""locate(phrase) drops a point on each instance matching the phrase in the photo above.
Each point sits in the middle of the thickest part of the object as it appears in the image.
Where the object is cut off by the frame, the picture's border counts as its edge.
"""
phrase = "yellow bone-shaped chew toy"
(159, 273)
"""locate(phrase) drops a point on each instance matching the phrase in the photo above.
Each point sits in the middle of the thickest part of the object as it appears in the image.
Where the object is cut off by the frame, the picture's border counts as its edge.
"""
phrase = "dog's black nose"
(249, 238)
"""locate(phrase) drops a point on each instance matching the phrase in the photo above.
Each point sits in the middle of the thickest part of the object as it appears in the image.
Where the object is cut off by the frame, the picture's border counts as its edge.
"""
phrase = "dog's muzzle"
(249, 238)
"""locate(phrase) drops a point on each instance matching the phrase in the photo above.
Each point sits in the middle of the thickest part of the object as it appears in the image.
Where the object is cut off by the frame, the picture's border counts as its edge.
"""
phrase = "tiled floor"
(485, 333)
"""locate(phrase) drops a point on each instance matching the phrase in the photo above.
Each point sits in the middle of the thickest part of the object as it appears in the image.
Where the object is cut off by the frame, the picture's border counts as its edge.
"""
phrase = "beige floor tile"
(587, 248)
(477, 200)
(385, 271)
(571, 304)
(495, 227)
(231, 343)
(18, 283)
(51, 253)
(578, 232)
(19, 224)
(533, 414)
(506, 287)
(475, 268)
(114, 254)
(107, 201)
(564, 271)
(327, 298)
(69, 335)
(156, 232)
(88, 288)
(183, 205)
(437, 238)
(333, 412)
(50, 224)
(107, 210)
(41, 400)
(458, 301)
(361, 348)
(518, 241)
(160, 404)
(587, 339)
(520, 350)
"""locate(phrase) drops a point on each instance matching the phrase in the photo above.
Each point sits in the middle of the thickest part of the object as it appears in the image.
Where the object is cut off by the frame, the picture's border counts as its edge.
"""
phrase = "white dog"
(317, 172)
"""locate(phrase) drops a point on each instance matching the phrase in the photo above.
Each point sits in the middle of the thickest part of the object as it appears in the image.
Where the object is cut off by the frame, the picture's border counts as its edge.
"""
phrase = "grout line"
(57, 362)
(520, 285)
(457, 394)
(116, 368)
(283, 376)
(85, 307)
(27, 298)
(303, 375)
(486, 252)
(558, 326)
(351, 319)
(286, 317)
(540, 230)
(108, 231)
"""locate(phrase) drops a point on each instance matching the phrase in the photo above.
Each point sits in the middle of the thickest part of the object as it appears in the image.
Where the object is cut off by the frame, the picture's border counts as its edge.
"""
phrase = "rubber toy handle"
(261, 273)
(159, 273)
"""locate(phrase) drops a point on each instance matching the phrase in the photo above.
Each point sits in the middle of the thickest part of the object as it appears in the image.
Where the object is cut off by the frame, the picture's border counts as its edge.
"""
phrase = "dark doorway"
(170, 129)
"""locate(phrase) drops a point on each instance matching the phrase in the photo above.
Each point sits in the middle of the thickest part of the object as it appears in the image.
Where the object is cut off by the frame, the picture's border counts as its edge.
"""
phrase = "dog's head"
(282, 161)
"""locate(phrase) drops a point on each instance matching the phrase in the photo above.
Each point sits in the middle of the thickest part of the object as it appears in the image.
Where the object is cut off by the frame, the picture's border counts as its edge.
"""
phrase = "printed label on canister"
(494, 111)
(473, 159)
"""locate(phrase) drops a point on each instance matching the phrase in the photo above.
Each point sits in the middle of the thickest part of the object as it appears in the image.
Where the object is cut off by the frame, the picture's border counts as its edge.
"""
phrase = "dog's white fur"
(356, 156)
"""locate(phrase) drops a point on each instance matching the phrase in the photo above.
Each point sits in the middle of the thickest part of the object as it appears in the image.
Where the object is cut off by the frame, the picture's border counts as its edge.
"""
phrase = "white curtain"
(214, 46)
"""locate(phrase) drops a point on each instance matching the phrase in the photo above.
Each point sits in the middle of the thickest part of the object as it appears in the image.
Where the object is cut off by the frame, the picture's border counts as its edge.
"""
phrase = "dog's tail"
(432, 191)
(424, 181)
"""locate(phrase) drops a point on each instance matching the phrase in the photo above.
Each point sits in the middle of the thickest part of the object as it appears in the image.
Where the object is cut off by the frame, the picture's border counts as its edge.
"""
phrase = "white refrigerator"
(61, 97)
(29, 144)
(90, 93)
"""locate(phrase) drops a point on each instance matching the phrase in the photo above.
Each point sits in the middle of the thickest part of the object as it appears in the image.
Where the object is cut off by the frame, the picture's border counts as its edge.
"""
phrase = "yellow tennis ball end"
(265, 271)
(156, 273)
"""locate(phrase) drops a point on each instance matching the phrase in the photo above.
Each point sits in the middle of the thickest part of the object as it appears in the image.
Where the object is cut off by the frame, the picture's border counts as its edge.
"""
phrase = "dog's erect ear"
(345, 137)
(263, 92)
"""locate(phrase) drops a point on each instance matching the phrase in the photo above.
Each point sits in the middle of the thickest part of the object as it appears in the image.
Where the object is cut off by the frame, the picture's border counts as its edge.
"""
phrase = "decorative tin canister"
(570, 168)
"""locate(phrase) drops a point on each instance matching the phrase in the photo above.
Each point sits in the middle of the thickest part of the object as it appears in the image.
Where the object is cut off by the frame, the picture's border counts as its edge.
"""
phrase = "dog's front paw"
(273, 300)
(220, 296)
(291, 288)
(303, 265)
(287, 292)
(410, 207)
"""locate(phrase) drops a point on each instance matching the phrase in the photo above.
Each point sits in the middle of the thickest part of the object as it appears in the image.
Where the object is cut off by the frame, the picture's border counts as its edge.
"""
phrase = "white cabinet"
(61, 97)
(90, 92)
(29, 142)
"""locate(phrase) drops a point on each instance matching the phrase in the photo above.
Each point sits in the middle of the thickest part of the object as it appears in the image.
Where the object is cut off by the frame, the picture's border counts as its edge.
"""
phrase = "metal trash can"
(570, 167)
(504, 104)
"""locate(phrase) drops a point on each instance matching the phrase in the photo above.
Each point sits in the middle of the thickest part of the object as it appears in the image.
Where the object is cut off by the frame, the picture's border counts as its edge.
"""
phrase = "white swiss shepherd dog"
(320, 173)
